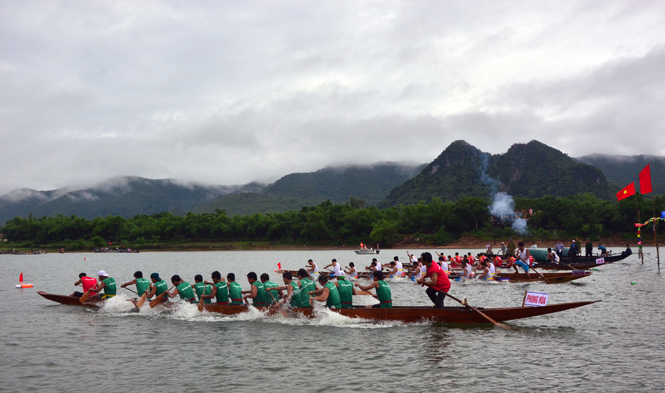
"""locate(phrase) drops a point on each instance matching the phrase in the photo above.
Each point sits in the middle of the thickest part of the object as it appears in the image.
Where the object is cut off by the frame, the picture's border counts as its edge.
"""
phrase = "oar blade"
(84, 297)
(141, 301)
(156, 301)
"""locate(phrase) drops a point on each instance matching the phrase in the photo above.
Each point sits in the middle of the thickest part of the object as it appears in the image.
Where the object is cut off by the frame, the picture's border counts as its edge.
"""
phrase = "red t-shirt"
(88, 282)
(442, 282)
(498, 261)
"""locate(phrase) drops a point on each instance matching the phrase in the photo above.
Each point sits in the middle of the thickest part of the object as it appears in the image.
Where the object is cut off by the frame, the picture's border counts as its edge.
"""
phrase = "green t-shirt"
(345, 289)
(200, 287)
(222, 295)
(295, 296)
(333, 296)
(235, 293)
(162, 287)
(142, 285)
(306, 286)
(275, 294)
(186, 292)
(109, 288)
(260, 299)
(384, 295)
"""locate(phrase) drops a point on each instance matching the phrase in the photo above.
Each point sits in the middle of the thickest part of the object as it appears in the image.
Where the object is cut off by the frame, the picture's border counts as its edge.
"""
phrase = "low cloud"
(228, 93)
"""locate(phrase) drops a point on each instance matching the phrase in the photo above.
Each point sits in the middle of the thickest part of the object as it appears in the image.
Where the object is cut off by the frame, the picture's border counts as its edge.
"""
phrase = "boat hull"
(452, 315)
(577, 263)
(71, 300)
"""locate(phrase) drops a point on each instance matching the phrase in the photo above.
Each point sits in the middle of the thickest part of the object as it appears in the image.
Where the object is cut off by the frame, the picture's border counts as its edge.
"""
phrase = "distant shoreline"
(462, 244)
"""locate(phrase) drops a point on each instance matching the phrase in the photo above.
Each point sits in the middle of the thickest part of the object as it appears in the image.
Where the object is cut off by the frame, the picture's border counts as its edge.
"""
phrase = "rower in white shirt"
(351, 271)
(336, 268)
(313, 270)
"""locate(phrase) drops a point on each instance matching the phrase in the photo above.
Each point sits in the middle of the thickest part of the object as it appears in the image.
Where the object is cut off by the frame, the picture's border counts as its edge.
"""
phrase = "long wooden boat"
(565, 260)
(71, 300)
(550, 278)
(452, 315)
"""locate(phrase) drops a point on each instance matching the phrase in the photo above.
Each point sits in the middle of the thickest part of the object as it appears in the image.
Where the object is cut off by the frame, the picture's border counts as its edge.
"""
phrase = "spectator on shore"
(589, 248)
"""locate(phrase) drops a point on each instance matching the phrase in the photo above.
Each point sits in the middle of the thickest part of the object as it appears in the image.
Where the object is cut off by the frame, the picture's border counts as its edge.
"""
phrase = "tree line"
(435, 223)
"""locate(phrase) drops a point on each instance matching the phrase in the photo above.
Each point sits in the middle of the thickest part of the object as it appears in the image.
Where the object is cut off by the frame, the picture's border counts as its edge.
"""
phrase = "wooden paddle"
(541, 275)
(282, 310)
(85, 296)
(201, 300)
(467, 305)
(159, 298)
(141, 301)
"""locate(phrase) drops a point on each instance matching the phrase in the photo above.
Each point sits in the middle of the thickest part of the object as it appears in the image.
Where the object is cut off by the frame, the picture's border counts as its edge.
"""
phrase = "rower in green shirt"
(382, 291)
(107, 284)
(182, 288)
(306, 286)
(276, 294)
(257, 293)
(220, 291)
(346, 291)
(202, 289)
(235, 290)
(142, 284)
(292, 290)
(158, 287)
(328, 293)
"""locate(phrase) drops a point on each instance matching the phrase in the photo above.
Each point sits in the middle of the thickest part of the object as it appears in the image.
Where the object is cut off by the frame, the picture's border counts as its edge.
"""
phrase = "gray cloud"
(230, 92)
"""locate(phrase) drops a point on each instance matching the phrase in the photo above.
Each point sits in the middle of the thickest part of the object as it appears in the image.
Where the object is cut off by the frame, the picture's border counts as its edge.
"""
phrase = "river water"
(616, 345)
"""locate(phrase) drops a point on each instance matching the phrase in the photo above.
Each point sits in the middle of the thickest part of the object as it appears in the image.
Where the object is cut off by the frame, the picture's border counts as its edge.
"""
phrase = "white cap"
(339, 274)
(102, 274)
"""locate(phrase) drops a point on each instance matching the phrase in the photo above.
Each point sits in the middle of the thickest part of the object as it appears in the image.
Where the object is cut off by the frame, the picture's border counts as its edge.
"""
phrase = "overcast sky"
(235, 91)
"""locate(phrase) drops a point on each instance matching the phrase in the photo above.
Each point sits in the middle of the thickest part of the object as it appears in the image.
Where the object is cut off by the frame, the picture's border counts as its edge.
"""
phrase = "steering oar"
(467, 305)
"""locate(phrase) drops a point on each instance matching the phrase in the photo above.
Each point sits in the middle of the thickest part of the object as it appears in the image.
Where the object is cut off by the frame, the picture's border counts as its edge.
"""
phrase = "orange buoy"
(24, 286)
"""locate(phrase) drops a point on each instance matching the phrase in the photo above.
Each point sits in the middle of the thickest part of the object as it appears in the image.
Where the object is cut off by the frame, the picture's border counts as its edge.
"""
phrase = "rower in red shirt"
(498, 262)
(87, 283)
(438, 282)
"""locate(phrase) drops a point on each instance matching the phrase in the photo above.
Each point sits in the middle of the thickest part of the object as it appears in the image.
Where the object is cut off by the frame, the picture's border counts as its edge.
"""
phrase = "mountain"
(123, 196)
(23, 201)
(623, 170)
(529, 170)
(370, 183)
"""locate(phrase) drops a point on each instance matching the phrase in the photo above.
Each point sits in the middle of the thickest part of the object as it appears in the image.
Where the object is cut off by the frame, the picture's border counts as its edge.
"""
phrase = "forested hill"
(124, 196)
(623, 170)
(19, 203)
(531, 170)
(370, 183)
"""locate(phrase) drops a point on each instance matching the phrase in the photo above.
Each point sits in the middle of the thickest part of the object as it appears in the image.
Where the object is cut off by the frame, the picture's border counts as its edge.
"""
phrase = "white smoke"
(503, 208)
(503, 205)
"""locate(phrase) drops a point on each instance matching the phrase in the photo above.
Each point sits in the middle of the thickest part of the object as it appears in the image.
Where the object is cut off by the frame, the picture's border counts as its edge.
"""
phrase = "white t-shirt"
(468, 270)
(400, 268)
(336, 269)
(353, 273)
(378, 266)
(444, 266)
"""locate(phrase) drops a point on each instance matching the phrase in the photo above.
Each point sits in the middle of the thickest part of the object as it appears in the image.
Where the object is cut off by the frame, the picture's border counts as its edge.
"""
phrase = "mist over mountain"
(122, 196)
(371, 183)
(529, 170)
(622, 170)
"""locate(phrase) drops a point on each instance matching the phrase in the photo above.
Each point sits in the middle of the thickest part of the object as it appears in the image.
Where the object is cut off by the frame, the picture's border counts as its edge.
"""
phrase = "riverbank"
(465, 242)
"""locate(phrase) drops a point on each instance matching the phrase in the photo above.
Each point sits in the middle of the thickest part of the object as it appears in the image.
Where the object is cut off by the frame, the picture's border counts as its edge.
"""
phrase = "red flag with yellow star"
(626, 192)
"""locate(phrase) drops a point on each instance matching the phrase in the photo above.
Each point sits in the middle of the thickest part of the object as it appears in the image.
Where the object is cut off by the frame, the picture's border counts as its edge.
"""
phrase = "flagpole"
(638, 220)
(655, 236)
